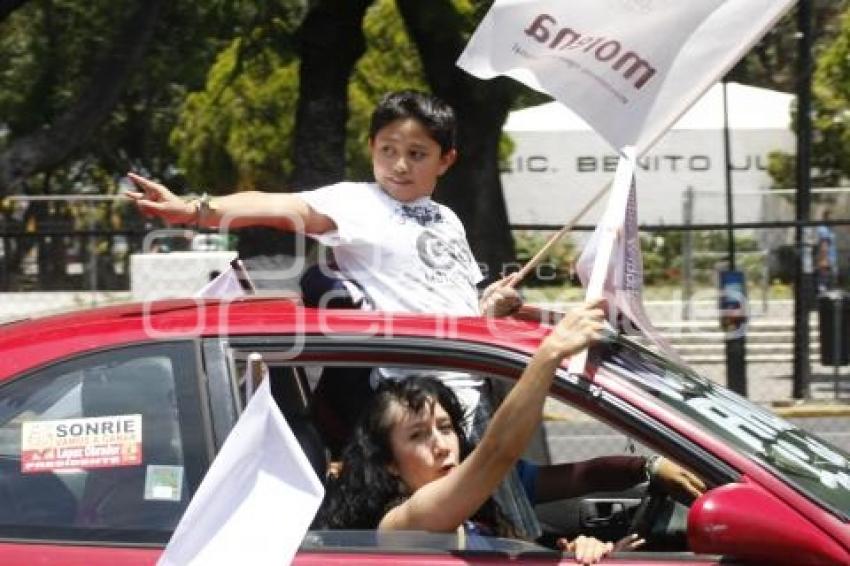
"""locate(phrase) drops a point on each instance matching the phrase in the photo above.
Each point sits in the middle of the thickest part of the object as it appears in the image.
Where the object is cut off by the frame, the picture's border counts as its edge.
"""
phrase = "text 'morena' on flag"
(630, 69)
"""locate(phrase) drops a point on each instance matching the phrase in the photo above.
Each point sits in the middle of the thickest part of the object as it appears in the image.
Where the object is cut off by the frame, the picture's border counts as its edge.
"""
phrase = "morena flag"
(630, 68)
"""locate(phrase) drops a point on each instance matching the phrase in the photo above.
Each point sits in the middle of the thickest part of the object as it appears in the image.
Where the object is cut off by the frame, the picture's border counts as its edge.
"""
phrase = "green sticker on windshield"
(163, 483)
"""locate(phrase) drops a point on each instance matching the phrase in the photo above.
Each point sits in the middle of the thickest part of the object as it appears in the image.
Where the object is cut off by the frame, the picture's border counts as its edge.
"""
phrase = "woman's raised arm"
(443, 504)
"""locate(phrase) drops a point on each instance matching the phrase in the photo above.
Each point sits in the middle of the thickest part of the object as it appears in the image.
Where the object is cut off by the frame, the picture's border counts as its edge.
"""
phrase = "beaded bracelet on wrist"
(202, 209)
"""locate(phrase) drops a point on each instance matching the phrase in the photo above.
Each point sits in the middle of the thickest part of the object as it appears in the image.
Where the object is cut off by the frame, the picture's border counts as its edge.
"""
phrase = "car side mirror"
(744, 521)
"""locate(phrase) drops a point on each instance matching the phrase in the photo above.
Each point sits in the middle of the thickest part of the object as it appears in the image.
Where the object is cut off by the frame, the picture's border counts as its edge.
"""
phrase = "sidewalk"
(810, 409)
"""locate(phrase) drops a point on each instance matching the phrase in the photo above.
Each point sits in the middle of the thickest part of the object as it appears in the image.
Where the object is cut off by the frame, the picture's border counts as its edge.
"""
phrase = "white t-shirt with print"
(406, 257)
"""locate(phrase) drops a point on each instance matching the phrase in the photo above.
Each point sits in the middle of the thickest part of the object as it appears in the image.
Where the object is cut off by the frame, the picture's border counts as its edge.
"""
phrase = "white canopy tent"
(558, 161)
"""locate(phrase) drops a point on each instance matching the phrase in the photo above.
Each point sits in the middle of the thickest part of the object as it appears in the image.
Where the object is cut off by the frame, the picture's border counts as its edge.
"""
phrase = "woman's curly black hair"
(365, 490)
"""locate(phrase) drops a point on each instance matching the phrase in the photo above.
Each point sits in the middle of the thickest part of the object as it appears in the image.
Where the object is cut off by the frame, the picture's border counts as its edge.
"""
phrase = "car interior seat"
(291, 391)
(341, 395)
(116, 497)
(34, 499)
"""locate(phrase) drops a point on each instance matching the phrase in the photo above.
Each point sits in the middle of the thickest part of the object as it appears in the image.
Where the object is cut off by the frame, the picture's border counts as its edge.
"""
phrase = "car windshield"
(809, 464)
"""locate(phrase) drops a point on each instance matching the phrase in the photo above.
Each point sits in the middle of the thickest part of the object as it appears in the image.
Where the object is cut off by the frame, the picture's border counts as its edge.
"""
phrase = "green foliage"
(391, 62)
(235, 132)
(555, 268)
(662, 256)
(48, 54)
(772, 62)
(782, 168)
(831, 97)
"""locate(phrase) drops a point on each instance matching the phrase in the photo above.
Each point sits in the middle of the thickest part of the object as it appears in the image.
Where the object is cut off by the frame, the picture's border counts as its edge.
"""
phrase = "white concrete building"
(559, 161)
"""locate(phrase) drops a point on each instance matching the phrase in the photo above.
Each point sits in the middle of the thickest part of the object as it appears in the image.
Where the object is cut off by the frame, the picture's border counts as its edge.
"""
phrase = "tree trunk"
(47, 148)
(331, 41)
(472, 187)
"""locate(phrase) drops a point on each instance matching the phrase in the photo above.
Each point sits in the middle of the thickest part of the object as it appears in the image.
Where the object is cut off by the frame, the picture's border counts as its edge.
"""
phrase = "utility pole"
(804, 284)
(734, 286)
(687, 253)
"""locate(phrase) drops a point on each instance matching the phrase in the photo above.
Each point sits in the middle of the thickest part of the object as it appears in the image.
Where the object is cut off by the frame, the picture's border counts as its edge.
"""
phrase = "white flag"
(232, 282)
(611, 265)
(630, 68)
(257, 500)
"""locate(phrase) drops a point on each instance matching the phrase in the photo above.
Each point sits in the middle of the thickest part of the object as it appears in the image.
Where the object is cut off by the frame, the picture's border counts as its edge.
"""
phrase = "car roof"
(34, 342)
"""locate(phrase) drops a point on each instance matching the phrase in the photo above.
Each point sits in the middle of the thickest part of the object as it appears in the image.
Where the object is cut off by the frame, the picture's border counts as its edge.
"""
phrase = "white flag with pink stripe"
(630, 68)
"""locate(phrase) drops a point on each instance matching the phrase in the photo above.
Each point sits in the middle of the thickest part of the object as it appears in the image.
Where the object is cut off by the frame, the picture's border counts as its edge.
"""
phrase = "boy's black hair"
(435, 115)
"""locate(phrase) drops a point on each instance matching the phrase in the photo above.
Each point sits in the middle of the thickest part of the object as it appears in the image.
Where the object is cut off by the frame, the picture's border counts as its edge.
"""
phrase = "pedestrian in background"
(826, 256)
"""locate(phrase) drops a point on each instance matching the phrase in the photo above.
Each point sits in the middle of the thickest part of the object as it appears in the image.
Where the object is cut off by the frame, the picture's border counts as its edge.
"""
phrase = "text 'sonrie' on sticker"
(97, 442)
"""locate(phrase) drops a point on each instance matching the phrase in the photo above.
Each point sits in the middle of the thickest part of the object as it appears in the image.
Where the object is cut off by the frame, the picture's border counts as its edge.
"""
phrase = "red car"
(109, 418)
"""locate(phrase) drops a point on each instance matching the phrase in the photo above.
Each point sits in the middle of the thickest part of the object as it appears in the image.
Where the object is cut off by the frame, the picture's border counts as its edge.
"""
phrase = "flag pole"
(611, 226)
(243, 277)
(538, 257)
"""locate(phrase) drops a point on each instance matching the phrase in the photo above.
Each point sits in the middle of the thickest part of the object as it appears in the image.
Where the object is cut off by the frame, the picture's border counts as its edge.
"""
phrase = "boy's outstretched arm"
(251, 208)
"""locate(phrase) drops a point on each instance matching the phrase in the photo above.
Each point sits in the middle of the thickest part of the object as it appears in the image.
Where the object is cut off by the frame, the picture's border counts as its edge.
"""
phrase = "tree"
(771, 63)
(9, 6)
(236, 132)
(830, 101)
(241, 125)
(830, 97)
(57, 56)
(239, 131)
(472, 187)
(331, 41)
(47, 147)
(89, 90)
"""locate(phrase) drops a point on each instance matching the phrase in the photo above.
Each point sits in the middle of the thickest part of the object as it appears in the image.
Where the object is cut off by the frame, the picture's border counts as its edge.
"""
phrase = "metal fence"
(54, 270)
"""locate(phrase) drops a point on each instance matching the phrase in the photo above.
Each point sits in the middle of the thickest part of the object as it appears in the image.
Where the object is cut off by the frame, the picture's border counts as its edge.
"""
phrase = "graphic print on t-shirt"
(406, 256)
(442, 259)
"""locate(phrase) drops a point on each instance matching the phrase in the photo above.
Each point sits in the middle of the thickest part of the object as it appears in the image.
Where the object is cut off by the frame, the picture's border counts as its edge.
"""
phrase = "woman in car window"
(409, 465)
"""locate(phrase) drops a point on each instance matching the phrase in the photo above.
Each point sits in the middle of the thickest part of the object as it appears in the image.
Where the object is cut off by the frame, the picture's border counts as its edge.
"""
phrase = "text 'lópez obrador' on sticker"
(97, 442)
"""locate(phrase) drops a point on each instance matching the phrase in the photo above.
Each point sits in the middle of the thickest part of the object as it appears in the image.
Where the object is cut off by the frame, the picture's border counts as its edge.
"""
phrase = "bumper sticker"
(97, 442)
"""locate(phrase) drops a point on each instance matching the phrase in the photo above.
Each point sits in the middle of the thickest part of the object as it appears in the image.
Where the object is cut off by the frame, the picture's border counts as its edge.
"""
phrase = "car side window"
(572, 434)
(106, 441)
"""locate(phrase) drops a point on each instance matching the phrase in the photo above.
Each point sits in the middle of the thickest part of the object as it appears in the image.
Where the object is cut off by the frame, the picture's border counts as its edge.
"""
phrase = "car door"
(349, 361)
(573, 435)
(100, 454)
